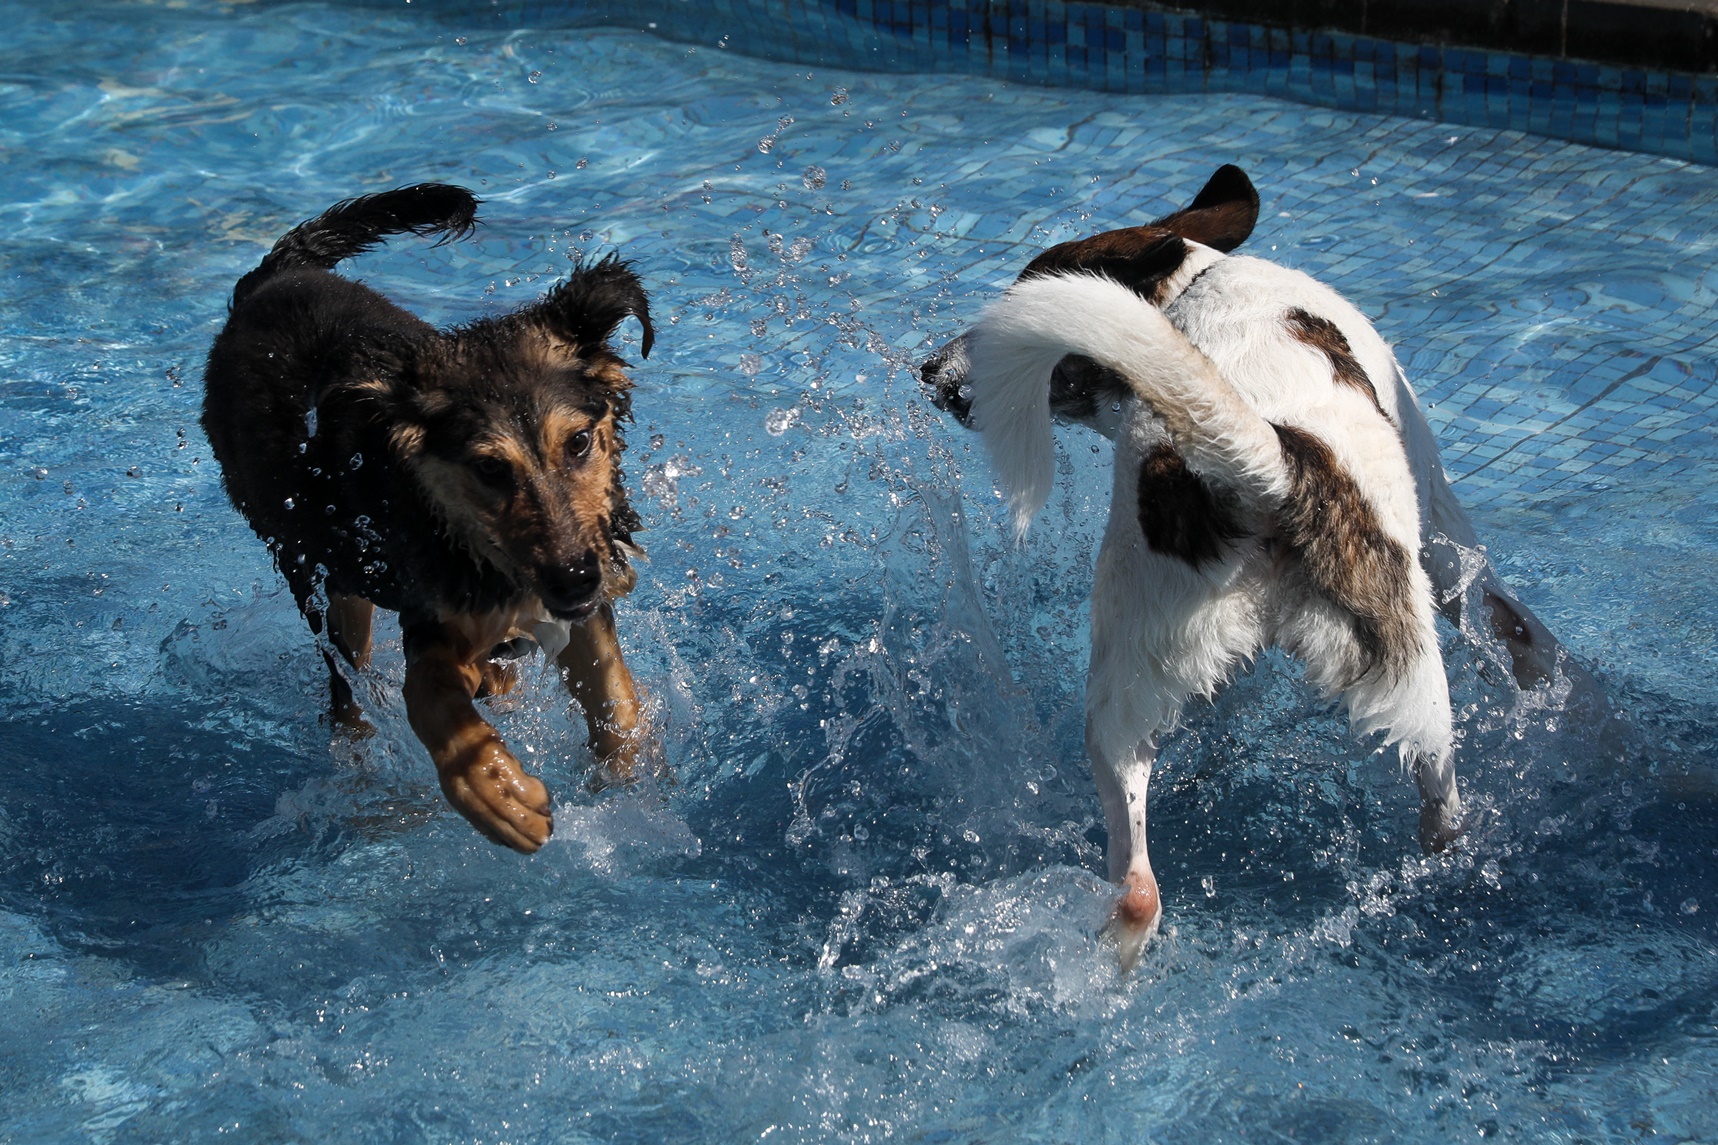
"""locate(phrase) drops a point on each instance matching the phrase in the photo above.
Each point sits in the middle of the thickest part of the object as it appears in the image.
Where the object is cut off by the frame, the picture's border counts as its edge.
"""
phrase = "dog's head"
(1143, 259)
(512, 428)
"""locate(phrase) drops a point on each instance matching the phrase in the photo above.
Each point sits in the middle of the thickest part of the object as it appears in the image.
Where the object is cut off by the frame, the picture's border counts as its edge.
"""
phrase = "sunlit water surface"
(866, 906)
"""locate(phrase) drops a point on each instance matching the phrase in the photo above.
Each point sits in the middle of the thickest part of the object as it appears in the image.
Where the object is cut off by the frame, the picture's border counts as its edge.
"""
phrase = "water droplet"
(533, 77)
(838, 97)
(814, 178)
(288, 502)
(750, 364)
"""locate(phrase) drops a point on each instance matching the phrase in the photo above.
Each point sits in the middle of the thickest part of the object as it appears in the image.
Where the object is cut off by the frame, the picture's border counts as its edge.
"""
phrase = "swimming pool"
(866, 907)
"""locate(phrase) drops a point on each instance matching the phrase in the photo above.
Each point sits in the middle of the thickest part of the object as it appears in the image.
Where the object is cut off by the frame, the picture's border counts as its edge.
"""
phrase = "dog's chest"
(476, 633)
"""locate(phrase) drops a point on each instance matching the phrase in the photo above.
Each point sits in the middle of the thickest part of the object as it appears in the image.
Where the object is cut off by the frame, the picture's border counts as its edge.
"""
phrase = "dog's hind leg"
(1122, 785)
(600, 682)
(1449, 547)
(350, 627)
(479, 776)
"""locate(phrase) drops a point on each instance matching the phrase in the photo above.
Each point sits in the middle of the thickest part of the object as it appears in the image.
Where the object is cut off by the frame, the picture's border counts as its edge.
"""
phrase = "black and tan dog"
(467, 479)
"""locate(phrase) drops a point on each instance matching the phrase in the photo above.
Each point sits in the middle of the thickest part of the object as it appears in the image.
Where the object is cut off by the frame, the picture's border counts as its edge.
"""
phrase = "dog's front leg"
(600, 682)
(1122, 784)
(478, 774)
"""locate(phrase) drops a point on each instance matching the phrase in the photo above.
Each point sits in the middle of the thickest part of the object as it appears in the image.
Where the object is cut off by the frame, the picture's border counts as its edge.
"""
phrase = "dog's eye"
(494, 472)
(579, 444)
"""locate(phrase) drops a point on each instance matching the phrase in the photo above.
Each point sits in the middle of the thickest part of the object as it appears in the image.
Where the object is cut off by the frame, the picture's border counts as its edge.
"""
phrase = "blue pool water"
(865, 908)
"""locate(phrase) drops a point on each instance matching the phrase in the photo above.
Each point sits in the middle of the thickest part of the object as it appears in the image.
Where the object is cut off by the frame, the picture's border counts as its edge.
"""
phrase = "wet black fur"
(1180, 514)
(315, 375)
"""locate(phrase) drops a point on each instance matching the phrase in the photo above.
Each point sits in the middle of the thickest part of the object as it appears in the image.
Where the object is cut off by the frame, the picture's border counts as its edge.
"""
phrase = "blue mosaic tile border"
(1137, 50)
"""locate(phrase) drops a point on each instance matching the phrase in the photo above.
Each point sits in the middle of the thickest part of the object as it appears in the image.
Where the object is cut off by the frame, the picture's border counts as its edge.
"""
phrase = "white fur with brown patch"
(1163, 630)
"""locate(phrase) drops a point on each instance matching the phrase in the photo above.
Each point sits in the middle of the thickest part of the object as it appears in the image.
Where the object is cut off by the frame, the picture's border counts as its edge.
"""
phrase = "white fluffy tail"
(1016, 345)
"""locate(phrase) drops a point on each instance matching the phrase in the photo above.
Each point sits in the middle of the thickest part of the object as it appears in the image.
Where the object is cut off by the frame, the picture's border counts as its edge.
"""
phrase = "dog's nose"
(565, 587)
(947, 388)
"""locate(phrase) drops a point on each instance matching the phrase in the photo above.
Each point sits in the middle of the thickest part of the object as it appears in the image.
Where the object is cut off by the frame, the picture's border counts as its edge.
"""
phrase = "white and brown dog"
(1275, 481)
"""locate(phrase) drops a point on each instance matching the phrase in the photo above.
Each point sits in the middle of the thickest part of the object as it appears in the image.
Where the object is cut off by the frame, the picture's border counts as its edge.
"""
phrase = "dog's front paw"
(489, 788)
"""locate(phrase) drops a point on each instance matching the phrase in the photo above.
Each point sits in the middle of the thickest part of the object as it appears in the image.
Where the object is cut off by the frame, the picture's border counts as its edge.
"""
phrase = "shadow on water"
(131, 826)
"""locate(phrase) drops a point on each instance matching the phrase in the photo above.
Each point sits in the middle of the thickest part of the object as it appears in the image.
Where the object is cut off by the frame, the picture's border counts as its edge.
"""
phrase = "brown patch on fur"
(1322, 335)
(1179, 514)
(610, 371)
(1345, 553)
(505, 447)
(1140, 258)
(1143, 259)
(1222, 215)
(407, 440)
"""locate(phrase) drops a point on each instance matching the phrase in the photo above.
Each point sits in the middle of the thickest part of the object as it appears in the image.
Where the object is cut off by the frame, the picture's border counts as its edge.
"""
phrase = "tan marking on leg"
(1322, 335)
(478, 774)
(499, 677)
(349, 620)
(343, 710)
(351, 625)
(600, 682)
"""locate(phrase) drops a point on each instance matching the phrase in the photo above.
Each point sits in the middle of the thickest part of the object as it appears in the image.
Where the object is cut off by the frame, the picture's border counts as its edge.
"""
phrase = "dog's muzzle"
(569, 591)
(945, 376)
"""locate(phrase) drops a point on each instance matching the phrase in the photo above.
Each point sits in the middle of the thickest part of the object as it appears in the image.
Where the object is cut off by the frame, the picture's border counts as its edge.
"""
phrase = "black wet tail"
(354, 226)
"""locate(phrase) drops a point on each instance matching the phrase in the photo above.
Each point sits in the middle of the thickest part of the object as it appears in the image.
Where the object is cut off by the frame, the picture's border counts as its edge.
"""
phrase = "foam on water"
(865, 904)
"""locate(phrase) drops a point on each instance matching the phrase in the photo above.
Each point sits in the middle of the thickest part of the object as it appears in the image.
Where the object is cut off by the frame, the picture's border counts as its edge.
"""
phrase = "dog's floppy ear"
(1222, 215)
(1139, 258)
(584, 308)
